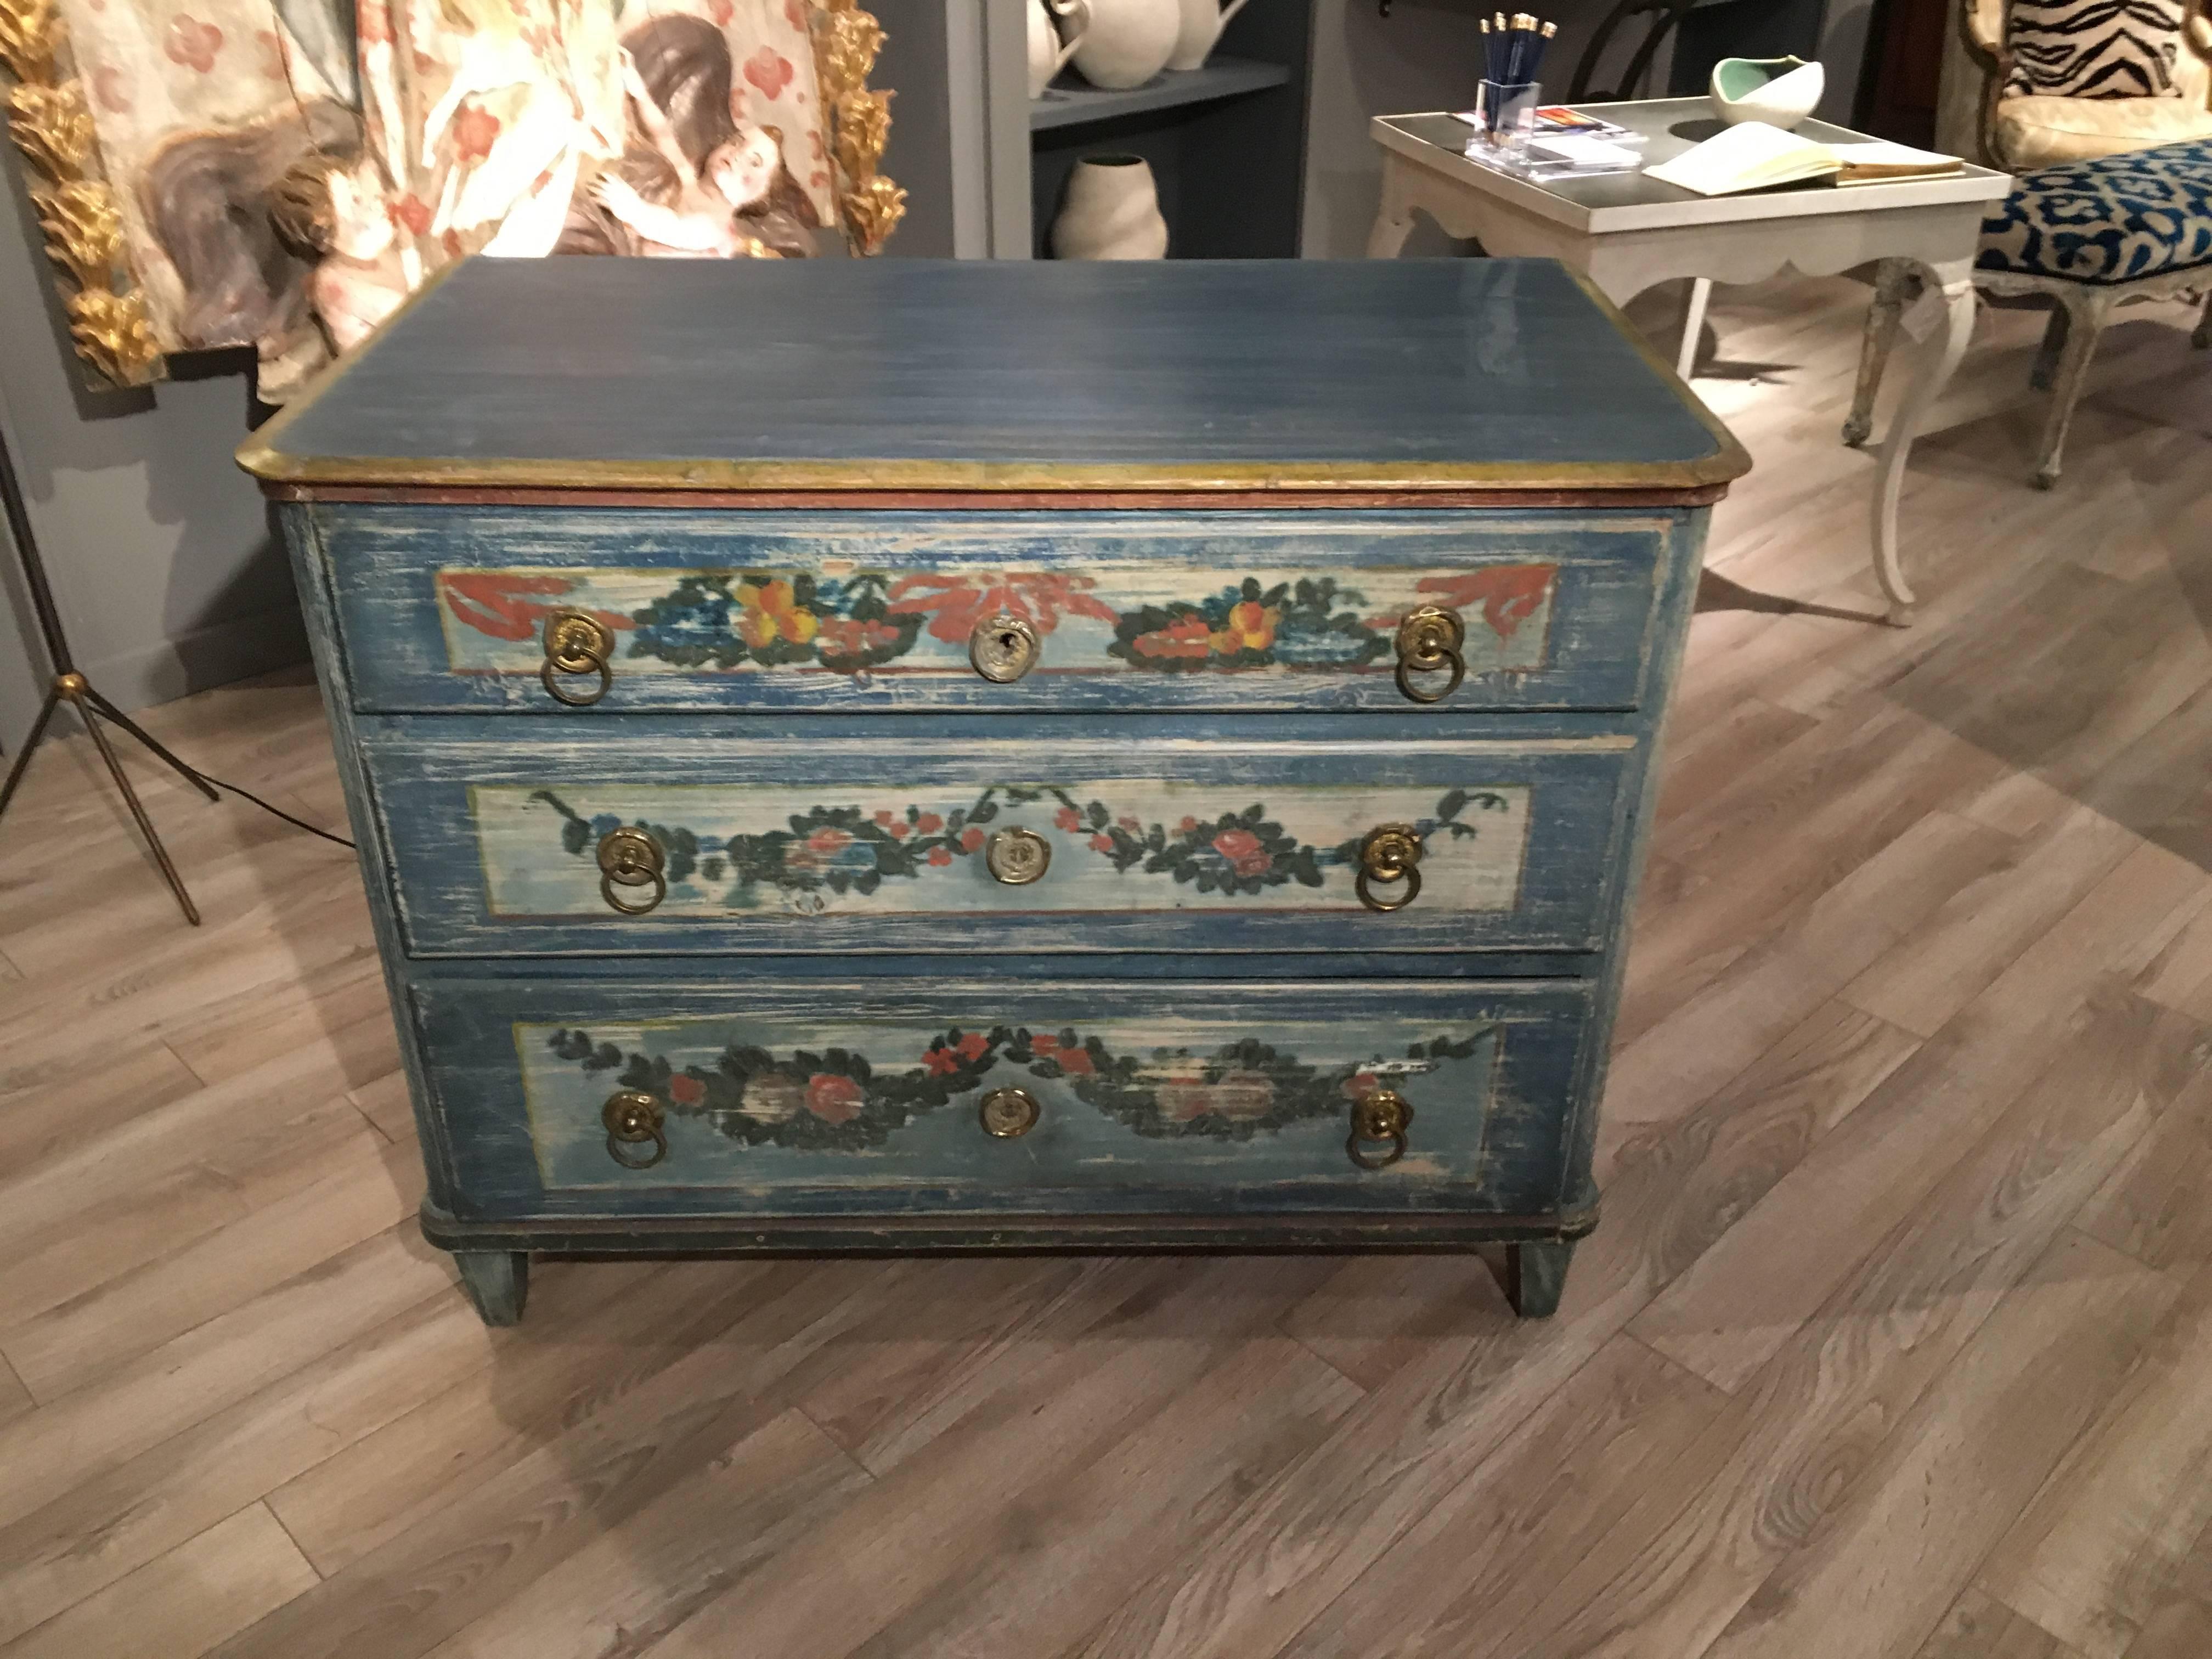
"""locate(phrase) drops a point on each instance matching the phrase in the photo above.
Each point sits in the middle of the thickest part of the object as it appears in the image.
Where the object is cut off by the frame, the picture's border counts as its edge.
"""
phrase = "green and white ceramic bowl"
(1779, 91)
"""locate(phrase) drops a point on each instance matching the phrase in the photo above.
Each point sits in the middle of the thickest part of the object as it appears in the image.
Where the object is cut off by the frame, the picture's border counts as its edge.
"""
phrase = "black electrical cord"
(278, 811)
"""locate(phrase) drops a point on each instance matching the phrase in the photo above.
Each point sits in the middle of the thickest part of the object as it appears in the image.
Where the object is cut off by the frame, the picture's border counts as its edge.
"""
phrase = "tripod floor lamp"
(70, 686)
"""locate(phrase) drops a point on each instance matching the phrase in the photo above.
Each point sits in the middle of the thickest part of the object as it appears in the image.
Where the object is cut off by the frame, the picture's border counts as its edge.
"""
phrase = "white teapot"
(1202, 23)
(1129, 41)
(1052, 43)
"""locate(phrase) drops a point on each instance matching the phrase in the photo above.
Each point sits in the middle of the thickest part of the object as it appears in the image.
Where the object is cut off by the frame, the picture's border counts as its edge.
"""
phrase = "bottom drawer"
(753, 1099)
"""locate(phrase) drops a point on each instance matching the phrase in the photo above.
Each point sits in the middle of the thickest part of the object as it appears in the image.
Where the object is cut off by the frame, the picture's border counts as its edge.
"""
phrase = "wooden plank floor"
(1896, 1339)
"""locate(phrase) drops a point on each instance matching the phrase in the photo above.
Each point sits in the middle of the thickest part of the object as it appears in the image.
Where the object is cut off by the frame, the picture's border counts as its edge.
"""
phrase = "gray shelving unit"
(1072, 101)
(1227, 142)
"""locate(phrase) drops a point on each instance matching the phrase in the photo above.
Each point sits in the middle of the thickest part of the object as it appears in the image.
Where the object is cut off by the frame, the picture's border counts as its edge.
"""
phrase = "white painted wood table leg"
(1394, 219)
(1939, 358)
(1693, 325)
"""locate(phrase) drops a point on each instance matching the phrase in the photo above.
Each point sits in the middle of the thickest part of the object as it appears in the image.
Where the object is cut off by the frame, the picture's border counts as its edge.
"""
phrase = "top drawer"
(447, 608)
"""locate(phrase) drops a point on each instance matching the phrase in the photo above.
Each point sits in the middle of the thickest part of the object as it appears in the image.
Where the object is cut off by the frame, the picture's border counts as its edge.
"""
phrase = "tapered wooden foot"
(1535, 1274)
(498, 1282)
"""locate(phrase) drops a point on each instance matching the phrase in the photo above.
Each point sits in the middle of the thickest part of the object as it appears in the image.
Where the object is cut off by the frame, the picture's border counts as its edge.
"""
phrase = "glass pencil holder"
(1507, 118)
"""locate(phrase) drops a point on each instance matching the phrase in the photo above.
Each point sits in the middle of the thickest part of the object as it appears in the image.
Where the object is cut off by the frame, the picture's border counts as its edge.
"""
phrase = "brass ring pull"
(1017, 856)
(1383, 1115)
(1008, 1113)
(633, 1120)
(577, 642)
(630, 858)
(1429, 640)
(1003, 648)
(1391, 853)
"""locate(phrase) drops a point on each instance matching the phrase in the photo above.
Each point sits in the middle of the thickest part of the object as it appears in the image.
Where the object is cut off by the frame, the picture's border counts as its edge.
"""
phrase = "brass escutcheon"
(1429, 640)
(1390, 853)
(633, 1118)
(577, 642)
(1008, 1113)
(631, 858)
(1383, 1115)
(1003, 648)
(1017, 856)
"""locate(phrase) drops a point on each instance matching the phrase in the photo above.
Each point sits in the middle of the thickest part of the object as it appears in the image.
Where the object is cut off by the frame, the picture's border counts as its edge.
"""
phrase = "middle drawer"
(655, 836)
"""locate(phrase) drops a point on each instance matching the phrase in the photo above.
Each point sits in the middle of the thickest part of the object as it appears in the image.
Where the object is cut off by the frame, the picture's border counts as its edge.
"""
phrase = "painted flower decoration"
(833, 1099)
(843, 638)
(192, 43)
(1242, 1095)
(412, 213)
(771, 1097)
(1189, 638)
(769, 70)
(685, 1090)
(945, 1058)
(272, 53)
(1251, 627)
(771, 613)
(111, 88)
(475, 130)
(1243, 850)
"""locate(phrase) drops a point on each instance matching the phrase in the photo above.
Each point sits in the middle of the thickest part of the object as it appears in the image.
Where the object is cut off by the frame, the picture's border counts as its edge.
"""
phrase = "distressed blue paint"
(1486, 1134)
(1569, 790)
(1507, 1143)
(412, 654)
(981, 364)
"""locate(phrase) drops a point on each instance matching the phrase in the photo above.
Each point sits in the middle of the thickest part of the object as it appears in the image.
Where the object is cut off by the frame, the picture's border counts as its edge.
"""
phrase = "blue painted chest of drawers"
(902, 756)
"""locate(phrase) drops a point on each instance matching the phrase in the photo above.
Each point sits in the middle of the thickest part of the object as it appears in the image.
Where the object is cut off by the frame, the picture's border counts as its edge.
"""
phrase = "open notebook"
(1756, 156)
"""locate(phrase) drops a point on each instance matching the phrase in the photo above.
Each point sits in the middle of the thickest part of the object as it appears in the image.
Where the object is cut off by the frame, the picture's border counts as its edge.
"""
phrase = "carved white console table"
(1626, 231)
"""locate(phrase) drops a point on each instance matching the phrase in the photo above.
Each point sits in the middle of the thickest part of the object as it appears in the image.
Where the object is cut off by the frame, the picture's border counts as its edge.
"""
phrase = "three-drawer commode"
(922, 756)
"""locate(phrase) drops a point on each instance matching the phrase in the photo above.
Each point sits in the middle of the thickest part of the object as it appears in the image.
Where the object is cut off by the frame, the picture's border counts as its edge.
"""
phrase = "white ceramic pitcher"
(1202, 23)
(1129, 41)
(1056, 29)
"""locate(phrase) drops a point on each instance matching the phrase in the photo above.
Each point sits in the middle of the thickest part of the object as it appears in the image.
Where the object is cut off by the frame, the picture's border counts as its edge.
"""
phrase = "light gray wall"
(1426, 55)
(163, 558)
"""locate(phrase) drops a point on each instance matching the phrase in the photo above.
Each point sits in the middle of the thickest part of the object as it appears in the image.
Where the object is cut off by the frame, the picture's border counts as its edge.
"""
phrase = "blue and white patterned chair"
(2091, 235)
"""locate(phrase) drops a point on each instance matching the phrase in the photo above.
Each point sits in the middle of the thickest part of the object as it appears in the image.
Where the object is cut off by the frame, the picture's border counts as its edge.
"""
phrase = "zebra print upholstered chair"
(1983, 114)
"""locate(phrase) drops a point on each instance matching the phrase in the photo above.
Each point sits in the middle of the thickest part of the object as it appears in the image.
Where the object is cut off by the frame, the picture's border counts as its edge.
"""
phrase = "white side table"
(1626, 231)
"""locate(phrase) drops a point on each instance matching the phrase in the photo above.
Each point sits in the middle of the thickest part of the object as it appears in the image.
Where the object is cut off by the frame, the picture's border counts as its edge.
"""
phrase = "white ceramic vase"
(1056, 29)
(1202, 23)
(1128, 42)
(1111, 211)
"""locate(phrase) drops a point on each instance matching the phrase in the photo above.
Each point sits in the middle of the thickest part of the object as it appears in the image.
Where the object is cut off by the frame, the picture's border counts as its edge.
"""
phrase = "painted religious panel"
(283, 173)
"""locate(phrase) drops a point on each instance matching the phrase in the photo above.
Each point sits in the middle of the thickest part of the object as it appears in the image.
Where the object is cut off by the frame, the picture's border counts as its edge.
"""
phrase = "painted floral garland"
(724, 619)
(851, 849)
(836, 1101)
